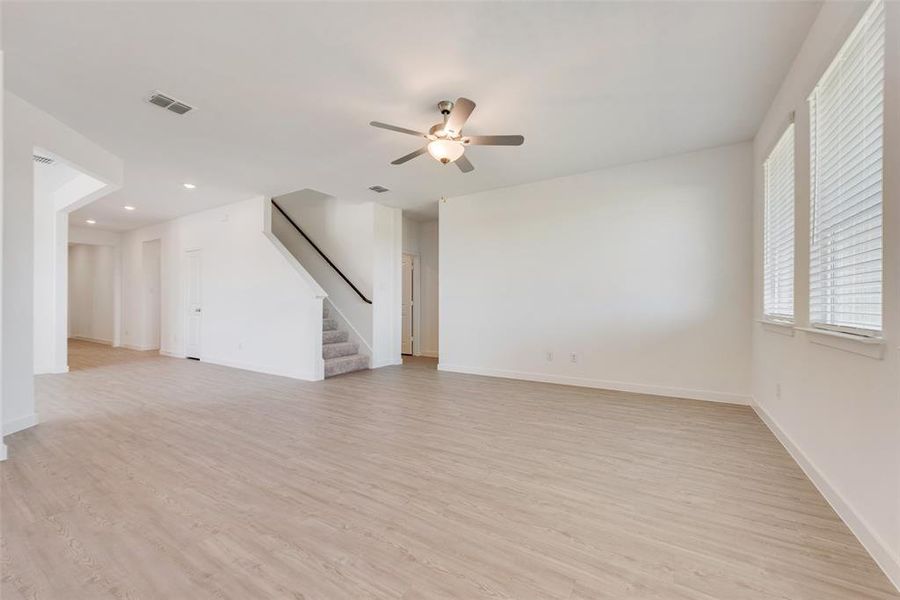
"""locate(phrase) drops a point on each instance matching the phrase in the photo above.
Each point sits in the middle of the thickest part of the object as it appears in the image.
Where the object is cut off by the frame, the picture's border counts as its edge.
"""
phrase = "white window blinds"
(846, 123)
(778, 261)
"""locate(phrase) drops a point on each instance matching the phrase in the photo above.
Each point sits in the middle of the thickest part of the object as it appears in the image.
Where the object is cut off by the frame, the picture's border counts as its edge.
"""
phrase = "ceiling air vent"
(44, 160)
(169, 103)
(378, 189)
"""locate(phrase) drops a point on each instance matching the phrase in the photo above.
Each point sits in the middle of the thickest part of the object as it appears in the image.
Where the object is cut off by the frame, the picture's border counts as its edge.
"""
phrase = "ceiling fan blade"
(493, 140)
(459, 114)
(398, 129)
(464, 165)
(410, 156)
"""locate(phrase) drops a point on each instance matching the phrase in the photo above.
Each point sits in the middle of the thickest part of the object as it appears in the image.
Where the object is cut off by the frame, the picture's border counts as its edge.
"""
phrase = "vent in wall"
(169, 103)
(378, 189)
(44, 160)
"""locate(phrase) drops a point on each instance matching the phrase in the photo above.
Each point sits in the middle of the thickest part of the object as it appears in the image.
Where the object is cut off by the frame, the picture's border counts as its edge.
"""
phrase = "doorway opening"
(408, 313)
(91, 302)
(419, 297)
(60, 187)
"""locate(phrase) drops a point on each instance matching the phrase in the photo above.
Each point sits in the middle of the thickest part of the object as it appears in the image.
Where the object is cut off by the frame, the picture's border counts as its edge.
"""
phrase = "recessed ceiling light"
(189, 186)
(90, 221)
(128, 207)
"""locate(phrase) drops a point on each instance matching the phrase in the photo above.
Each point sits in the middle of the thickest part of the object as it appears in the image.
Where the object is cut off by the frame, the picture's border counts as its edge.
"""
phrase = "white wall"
(329, 222)
(639, 270)
(2, 203)
(90, 235)
(364, 240)
(342, 230)
(25, 129)
(91, 292)
(410, 236)
(152, 302)
(837, 411)
(258, 314)
(387, 279)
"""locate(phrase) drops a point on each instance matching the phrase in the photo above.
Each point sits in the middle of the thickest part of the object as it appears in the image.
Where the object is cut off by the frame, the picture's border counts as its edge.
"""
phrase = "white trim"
(139, 348)
(84, 338)
(621, 386)
(780, 327)
(865, 346)
(429, 353)
(172, 354)
(41, 370)
(3, 455)
(16, 425)
(386, 363)
(871, 541)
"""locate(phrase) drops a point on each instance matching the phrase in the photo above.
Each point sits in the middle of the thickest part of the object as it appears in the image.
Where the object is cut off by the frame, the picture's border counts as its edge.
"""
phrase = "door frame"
(416, 295)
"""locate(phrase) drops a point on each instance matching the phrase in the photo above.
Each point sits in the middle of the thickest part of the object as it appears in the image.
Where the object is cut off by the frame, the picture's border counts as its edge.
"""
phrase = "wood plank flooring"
(159, 478)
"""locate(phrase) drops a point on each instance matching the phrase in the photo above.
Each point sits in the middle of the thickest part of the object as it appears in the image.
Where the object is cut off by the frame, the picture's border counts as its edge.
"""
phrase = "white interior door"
(406, 345)
(194, 307)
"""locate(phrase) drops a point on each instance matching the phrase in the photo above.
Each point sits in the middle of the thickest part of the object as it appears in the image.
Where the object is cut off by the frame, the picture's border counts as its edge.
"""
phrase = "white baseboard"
(3, 455)
(15, 425)
(385, 363)
(428, 353)
(83, 338)
(44, 370)
(621, 386)
(172, 354)
(139, 348)
(265, 369)
(871, 541)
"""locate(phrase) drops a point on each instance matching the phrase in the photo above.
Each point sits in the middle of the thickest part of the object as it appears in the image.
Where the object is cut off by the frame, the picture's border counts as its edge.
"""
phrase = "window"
(846, 125)
(778, 261)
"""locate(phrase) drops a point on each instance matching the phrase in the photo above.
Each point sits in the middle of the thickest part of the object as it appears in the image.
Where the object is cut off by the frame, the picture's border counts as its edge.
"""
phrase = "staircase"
(341, 356)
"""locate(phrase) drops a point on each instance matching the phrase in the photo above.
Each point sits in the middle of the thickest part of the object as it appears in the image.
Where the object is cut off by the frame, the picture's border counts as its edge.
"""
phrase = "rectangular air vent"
(169, 103)
(379, 189)
(44, 160)
(179, 108)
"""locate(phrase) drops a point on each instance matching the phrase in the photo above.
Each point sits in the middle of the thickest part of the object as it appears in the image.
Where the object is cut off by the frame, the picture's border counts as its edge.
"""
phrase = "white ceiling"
(285, 91)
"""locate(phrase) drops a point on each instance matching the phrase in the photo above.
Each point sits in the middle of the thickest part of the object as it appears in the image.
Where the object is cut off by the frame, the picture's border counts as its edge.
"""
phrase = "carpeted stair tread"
(345, 364)
(337, 349)
(334, 336)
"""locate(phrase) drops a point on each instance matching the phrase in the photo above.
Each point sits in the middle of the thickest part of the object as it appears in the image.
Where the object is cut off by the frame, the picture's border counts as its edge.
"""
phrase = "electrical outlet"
(549, 357)
(573, 357)
(778, 390)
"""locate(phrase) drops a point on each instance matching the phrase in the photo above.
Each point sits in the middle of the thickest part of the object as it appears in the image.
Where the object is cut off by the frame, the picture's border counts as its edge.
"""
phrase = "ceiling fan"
(446, 143)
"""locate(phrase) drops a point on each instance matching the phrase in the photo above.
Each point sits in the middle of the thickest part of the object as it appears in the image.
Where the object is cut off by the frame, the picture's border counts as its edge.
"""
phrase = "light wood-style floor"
(159, 478)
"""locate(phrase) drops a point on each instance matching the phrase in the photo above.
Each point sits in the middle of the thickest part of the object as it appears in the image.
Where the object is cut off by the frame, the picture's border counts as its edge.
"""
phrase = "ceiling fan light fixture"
(445, 151)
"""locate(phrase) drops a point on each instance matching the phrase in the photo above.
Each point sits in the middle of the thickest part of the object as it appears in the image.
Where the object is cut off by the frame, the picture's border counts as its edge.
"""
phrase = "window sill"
(873, 347)
(779, 327)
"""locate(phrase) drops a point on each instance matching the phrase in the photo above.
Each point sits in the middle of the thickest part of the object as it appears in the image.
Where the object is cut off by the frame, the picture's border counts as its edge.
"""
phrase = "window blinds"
(778, 262)
(846, 124)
